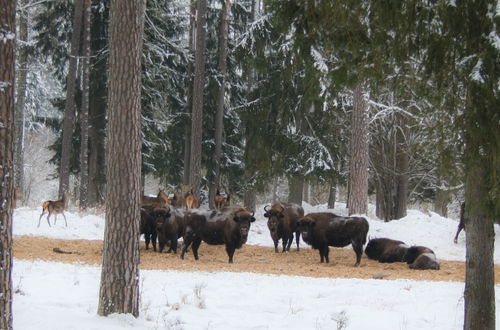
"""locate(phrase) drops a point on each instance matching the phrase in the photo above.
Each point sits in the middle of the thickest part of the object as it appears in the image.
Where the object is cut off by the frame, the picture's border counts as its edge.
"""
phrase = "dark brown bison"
(386, 250)
(461, 224)
(169, 226)
(229, 226)
(282, 223)
(220, 201)
(421, 257)
(147, 226)
(321, 230)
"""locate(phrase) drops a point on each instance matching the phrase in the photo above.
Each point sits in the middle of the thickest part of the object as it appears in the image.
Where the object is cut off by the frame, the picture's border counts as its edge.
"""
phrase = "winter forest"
(373, 107)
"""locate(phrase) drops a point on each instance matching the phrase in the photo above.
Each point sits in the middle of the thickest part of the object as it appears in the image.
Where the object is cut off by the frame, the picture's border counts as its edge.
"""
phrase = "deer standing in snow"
(54, 207)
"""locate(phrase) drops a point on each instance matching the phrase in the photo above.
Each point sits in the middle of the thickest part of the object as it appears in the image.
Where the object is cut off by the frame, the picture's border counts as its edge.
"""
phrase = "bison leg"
(283, 243)
(162, 245)
(230, 252)
(297, 238)
(358, 249)
(147, 238)
(173, 244)
(458, 232)
(276, 242)
(323, 254)
(188, 239)
(196, 245)
(290, 240)
(154, 235)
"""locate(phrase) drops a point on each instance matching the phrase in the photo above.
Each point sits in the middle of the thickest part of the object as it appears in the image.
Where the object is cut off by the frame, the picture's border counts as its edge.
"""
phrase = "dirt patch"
(255, 259)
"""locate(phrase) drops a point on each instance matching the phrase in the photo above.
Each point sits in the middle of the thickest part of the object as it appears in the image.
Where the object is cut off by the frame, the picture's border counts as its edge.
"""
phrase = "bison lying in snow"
(282, 223)
(229, 226)
(386, 250)
(421, 257)
(147, 226)
(169, 226)
(321, 230)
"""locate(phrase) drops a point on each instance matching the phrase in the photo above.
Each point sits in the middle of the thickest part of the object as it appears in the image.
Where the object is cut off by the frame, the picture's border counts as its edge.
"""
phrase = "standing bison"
(229, 226)
(386, 250)
(169, 226)
(321, 230)
(147, 226)
(283, 222)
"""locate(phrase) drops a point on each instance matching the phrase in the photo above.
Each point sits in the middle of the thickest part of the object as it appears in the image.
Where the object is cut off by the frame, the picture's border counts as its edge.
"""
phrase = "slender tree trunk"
(70, 104)
(189, 102)
(296, 189)
(306, 192)
(332, 195)
(441, 202)
(276, 182)
(358, 176)
(402, 161)
(7, 81)
(22, 74)
(480, 240)
(199, 84)
(119, 290)
(84, 113)
(219, 116)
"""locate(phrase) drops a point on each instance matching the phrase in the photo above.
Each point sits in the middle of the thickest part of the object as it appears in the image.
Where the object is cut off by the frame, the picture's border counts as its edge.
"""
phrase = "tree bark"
(119, 290)
(358, 176)
(441, 202)
(332, 195)
(7, 81)
(84, 112)
(296, 189)
(219, 115)
(22, 74)
(479, 240)
(198, 88)
(70, 104)
(189, 102)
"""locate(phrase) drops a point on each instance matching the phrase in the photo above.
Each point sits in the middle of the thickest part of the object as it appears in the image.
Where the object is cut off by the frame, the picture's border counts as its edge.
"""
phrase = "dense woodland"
(394, 101)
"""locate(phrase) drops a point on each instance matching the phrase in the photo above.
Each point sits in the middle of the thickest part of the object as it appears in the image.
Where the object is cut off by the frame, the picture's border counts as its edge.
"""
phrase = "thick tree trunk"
(219, 115)
(198, 88)
(480, 240)
(296, 189)
(22, 74)
(119, 290)
(189, 102)
(358, 176)
(70, 104)
(84, 113)
(7, 81)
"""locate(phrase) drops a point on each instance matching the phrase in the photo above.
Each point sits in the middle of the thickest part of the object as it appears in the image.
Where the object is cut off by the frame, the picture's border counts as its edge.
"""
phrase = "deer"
(220, 201)
(54, 207)
(190, 201)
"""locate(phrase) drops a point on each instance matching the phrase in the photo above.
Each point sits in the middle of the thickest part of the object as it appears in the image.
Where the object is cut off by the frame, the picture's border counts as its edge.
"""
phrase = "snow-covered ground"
(61, 296)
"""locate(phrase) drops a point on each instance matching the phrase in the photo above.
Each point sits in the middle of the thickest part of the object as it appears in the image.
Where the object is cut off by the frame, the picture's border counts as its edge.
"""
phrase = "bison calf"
(283, 222)
(229, 226)
(321, 230)
(421, 257)
(386, 250)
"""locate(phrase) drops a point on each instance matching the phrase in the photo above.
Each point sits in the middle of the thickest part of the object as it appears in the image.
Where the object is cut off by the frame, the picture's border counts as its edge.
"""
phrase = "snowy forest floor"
(250, 258)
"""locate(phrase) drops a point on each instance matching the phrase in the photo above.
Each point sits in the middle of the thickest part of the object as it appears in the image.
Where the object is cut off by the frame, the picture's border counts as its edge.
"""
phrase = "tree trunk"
(7, 81)
(84, 113)
(332, 195)
(189, 103)
(479, 240)
(70, 104)
(296, 188)
(250, 200)
(119, 290)
(276, 182)
(441, 202)
(22, 74)
(402, 163)
(219, 115)
(198, 88)
(358, 176)
(306, 193)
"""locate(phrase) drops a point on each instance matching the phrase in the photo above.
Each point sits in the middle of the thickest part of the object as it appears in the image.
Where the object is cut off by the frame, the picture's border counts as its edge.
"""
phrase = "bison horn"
(266, 208)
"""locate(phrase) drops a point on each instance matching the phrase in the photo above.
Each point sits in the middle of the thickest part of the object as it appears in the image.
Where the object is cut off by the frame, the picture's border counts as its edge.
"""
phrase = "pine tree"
(119, 290)
(7, 83)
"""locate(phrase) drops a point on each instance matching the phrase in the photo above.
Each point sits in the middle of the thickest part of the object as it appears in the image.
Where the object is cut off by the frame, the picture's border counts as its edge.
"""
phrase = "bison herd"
(169, 218)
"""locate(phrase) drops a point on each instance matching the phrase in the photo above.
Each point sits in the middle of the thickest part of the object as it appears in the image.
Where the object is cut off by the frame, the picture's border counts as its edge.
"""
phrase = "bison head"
(274, 215)
(306, 224)
(244, 218)
(161, 216)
